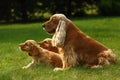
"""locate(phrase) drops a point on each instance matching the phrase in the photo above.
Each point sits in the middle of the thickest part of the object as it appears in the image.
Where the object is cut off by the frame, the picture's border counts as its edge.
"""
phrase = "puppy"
(47, 44)
(39, 54)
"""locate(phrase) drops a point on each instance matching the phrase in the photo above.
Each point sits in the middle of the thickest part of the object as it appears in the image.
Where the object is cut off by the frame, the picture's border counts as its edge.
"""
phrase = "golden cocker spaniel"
(47, 44)
(39, 54)
(77, 46)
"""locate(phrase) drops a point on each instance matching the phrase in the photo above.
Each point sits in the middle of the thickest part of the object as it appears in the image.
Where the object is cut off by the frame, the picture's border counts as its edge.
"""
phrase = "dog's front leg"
(30, 64)
(64, 67)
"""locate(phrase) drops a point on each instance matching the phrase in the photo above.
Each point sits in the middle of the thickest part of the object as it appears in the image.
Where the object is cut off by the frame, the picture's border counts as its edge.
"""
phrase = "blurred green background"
(37, 10)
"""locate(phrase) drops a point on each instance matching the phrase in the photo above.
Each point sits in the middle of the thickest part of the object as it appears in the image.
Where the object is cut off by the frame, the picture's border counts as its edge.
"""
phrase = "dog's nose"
(43, 25)
(21, 44)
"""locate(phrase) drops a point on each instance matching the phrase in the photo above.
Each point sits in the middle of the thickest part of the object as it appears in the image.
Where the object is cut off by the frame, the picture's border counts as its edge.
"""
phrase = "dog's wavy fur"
(40, 54)
(47, 44)
(78, 47)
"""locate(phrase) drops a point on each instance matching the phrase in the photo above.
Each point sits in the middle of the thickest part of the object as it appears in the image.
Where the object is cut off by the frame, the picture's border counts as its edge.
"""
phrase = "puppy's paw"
(25, 67)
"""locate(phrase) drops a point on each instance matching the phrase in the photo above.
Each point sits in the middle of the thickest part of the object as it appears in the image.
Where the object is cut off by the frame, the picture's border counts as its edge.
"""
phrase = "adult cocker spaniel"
(78, 47)
(39, 54)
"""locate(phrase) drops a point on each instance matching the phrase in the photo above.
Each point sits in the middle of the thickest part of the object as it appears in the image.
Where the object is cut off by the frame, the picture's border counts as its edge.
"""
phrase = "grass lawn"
(106, 30)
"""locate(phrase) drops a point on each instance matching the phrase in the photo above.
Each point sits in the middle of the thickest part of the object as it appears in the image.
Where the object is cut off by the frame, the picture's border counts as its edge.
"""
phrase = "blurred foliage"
(109, 7)
(30, 10)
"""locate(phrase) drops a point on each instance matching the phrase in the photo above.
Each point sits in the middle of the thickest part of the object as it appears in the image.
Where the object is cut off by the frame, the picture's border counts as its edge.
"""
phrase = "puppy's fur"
(47, 44)
(77, 46)
(39, 54)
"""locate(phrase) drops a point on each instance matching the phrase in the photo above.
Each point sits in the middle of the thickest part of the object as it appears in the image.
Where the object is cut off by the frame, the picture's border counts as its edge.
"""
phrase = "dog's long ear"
(60, 34)
(34, 50)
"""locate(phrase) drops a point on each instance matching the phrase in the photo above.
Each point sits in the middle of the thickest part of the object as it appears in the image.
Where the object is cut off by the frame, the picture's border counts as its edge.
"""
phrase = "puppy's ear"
(34, 51)
(40, 43)
(60, 34)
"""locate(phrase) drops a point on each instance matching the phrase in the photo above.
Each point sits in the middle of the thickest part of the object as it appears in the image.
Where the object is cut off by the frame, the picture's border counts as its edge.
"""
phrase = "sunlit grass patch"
(105, 30)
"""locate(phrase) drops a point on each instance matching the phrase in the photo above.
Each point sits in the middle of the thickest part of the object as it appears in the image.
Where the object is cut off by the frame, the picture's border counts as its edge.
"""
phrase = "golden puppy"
(47, 44)
(40, 55)
(77, 46)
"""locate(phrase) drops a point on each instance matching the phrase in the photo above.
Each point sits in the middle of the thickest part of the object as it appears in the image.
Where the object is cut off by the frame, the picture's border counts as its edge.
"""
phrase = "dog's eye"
(53, 19)
(26, 44)
(45, 41)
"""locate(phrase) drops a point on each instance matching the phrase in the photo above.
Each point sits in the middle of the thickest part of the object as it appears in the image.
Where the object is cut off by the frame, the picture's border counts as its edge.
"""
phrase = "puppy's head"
(55, 21)
(28, 46)
(47, 44)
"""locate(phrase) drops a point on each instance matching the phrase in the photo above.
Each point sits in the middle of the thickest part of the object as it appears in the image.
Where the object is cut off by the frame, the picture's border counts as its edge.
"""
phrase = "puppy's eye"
(26, 44)
(45, 42)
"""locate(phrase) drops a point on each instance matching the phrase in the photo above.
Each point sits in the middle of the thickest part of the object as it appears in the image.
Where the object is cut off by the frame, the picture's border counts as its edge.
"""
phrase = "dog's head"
(28, 46)
(47, 44)
(57, 26)
(56, 21)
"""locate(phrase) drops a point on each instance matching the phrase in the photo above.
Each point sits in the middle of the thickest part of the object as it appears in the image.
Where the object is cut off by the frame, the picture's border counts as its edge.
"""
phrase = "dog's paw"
(96, 66)
(59, 69)
(25, 67)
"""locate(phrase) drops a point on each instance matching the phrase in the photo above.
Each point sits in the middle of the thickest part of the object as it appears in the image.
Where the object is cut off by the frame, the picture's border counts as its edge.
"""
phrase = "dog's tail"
(112, 57)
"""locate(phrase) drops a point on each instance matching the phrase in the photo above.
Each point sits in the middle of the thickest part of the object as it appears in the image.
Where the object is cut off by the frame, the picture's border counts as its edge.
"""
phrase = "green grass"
(105, 30)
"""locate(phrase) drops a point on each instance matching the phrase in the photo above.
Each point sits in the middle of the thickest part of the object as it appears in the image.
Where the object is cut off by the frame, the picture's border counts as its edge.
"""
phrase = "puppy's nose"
(43, 25)
(21, 44)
